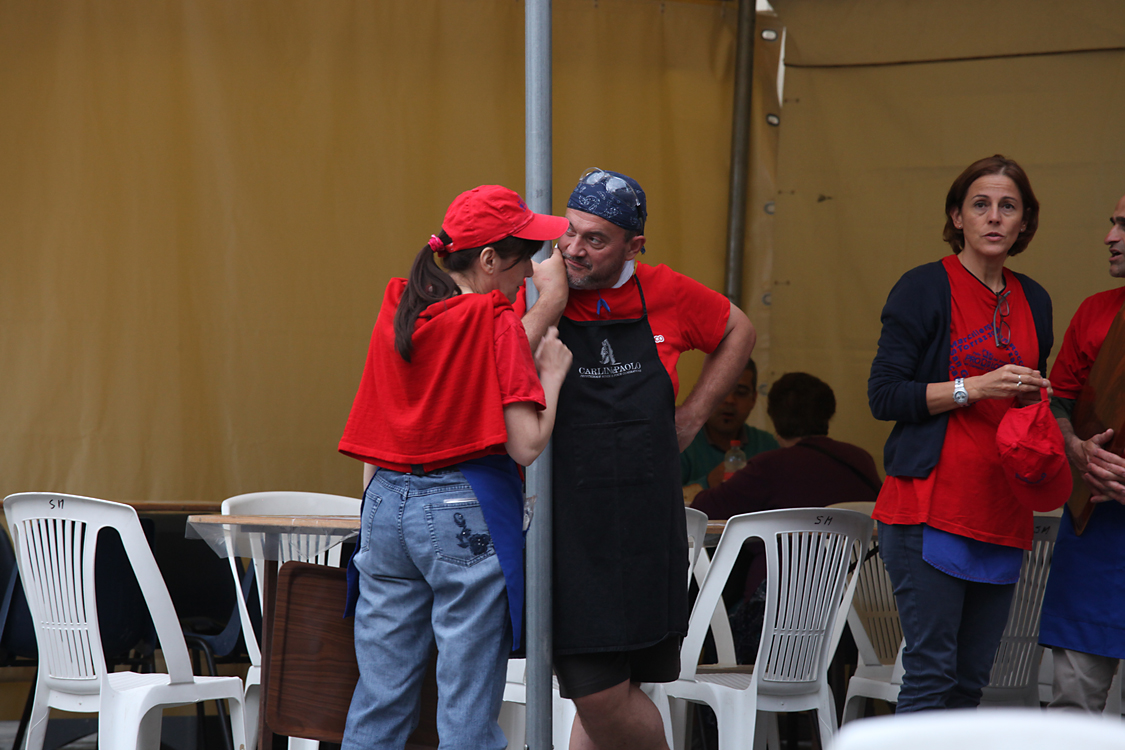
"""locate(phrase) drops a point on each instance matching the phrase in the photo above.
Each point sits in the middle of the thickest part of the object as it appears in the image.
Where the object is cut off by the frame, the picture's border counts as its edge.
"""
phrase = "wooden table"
(274, 538)
(173, 506)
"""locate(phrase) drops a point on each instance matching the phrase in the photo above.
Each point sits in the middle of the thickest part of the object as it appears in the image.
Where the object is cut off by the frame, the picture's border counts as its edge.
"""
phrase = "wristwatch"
(960, 395)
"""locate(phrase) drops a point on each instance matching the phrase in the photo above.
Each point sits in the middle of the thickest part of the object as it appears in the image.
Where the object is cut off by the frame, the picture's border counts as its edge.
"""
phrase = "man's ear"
(636, 246)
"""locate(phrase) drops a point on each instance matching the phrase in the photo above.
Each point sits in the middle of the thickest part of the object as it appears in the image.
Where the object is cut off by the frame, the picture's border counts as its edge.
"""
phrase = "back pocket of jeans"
(458, 531)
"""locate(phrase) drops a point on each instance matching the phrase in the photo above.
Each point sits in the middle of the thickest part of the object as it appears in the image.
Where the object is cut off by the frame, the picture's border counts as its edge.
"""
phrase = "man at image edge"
(1083, 620)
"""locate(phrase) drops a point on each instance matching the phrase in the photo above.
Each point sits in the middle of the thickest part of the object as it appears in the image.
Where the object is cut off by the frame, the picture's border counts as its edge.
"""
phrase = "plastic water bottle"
(734, 460)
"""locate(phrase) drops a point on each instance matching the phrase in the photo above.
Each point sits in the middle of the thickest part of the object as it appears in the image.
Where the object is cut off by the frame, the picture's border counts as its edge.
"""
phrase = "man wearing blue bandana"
(620, 546)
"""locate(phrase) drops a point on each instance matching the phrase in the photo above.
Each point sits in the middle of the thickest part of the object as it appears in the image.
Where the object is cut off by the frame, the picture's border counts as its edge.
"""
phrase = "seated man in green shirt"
(726, 423)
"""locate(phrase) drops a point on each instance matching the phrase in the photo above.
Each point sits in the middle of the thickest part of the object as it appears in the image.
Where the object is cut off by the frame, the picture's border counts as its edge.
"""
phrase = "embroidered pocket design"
(477, 544)
(458, 531)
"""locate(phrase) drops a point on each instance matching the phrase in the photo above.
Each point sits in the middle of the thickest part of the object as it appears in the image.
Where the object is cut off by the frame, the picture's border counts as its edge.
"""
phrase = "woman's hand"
(552, 359)
(1033, 397)
(1009, 381)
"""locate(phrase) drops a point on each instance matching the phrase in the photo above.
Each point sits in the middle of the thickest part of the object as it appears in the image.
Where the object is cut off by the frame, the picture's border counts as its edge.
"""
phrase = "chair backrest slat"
(52, 552)
(797, 640)
(1017, 659)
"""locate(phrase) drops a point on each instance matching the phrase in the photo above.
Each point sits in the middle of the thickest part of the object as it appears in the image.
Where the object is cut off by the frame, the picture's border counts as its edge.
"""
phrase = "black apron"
(620, 542)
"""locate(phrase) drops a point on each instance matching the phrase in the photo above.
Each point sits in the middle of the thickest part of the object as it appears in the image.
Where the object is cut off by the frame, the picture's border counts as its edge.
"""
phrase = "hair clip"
(437, 246)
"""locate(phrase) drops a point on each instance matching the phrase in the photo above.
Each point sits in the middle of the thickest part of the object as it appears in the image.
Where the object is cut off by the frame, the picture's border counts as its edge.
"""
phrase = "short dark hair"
(995, 164)
(800, 405)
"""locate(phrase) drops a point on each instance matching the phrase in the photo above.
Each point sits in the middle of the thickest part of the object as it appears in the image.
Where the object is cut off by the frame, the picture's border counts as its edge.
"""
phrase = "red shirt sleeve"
(684, 315)
(1083, 341)
(515, 366)
(703, 314)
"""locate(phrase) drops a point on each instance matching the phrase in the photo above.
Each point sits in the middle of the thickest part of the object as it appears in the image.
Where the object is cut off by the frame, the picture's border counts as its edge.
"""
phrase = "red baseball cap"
(1033, 457)
(492, 212)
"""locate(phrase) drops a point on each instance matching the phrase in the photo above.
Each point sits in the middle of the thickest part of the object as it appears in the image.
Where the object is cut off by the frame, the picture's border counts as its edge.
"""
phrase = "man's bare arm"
(721, 370)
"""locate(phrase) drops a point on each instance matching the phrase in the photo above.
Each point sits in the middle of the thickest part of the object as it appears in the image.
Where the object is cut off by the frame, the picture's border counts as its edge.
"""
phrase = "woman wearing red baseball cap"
(449, 403)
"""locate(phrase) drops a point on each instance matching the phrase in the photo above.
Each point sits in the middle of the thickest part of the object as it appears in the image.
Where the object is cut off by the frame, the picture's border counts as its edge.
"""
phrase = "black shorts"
(585, 674)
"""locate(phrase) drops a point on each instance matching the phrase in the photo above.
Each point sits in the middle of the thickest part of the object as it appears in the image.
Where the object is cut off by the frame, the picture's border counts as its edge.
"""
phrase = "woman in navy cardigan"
(963, 340)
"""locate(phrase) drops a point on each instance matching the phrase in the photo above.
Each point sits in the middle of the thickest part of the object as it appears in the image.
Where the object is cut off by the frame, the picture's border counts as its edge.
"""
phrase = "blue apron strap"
(353, 572)
(497, 484)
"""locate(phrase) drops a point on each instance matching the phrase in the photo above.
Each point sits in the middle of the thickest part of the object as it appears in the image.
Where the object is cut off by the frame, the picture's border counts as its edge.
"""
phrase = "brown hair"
(996, 164)
(428, 283)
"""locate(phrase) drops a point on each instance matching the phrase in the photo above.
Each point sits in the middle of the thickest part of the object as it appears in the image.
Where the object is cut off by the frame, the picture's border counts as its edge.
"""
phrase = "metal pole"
(537, 88)
(740, 150)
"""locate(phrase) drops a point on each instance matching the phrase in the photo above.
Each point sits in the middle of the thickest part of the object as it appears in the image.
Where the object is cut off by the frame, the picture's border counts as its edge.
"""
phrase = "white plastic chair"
(55, 536)
(877, 633)
(676, 722)
(875, 627)
(674, 714)
(808, 590)
(700, 564)
(294, 546)
(1014, 680)
(1015, 672)
(696, 532)
(998, 729)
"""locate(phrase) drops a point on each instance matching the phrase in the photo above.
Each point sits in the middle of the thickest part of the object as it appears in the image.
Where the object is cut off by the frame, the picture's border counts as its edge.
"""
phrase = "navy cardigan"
(914, 352)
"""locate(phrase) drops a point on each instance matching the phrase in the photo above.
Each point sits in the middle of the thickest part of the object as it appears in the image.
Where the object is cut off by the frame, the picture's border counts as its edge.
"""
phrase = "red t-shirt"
(966, 493)
(1083, 340)
(445, 406)
(682, 313)
(515, 366)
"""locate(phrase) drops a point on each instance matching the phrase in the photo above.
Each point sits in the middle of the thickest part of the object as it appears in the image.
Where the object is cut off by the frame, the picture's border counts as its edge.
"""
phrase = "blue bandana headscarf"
(612, 196)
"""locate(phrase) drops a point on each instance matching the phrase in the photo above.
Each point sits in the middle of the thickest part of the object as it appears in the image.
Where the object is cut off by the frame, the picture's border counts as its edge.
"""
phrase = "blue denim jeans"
(428, 574)
(952, 627)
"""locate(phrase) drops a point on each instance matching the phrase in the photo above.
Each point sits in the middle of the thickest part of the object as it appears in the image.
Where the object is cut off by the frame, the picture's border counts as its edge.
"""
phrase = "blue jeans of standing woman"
(428, 574)
(952, 627)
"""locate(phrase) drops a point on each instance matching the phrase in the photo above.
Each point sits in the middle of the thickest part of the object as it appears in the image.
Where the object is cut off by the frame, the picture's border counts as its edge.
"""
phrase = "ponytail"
(427, 284)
